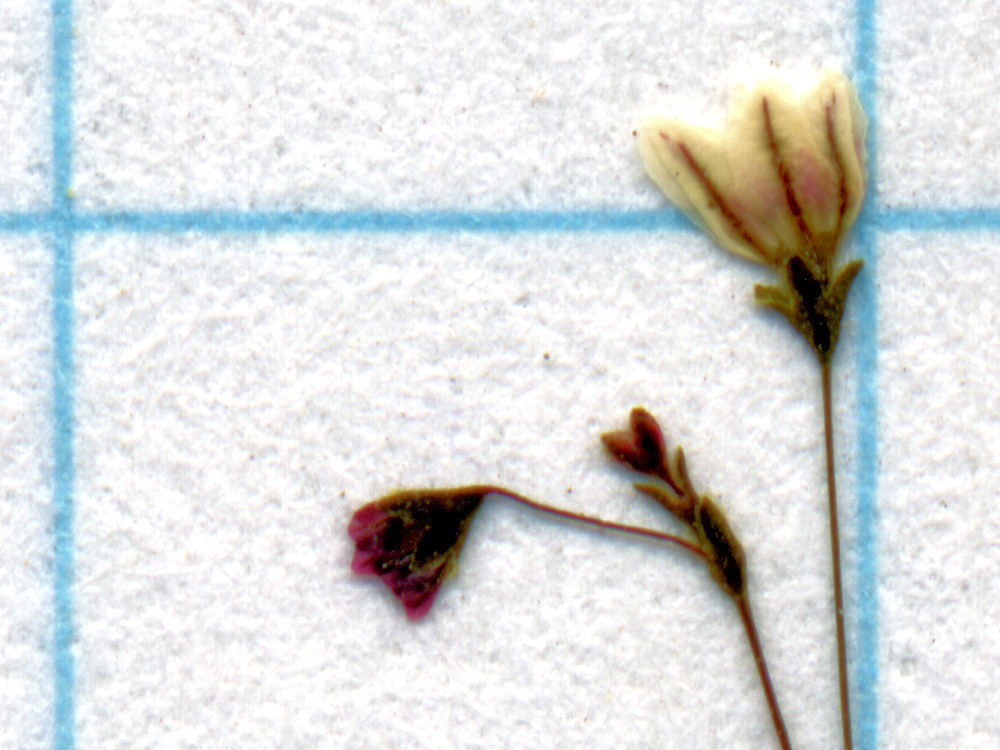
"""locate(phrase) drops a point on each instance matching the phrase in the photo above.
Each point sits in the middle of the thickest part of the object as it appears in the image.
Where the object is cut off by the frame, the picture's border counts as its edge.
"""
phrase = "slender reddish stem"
(838, 588)
(743, 605)
(591, 520)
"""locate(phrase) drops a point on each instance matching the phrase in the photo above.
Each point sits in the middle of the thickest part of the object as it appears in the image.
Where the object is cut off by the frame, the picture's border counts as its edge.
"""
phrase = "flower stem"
(743, 605)
(838, 588)
(740, 599)
(592, 520)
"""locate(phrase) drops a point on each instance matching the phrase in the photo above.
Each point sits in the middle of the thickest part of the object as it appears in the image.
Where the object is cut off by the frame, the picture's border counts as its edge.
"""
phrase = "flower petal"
(693, 169)
(848, 128)
(756, 186)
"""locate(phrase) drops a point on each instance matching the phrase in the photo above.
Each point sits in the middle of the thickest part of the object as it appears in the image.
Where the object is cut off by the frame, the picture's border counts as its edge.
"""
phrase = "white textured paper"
(25, 495)
(239, 395)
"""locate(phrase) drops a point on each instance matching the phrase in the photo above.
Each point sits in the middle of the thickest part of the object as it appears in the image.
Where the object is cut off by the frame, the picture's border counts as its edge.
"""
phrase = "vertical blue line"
(866, 677)
(62, 371)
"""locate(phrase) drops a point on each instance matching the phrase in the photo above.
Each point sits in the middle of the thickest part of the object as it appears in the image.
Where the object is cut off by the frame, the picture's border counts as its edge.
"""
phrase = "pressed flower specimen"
(643, 449)
(780, 185)
(411, 539)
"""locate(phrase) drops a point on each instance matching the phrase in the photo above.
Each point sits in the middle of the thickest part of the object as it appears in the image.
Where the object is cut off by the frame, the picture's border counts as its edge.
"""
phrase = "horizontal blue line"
(401, 222)
(597, 220)
(937, 219)
(18, 223)
(386, 221)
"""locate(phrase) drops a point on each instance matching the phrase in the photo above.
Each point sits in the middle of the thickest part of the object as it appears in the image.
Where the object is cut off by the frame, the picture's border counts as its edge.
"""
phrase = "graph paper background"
(187, 174)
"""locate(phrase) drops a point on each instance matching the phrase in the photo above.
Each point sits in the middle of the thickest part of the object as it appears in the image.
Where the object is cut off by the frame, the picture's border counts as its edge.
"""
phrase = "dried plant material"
(785, 176)
(780, 185)
(411, 540)
(643, 448)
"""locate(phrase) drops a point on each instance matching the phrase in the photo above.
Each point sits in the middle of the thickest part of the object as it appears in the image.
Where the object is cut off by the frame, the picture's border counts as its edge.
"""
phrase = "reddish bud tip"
(642, 447)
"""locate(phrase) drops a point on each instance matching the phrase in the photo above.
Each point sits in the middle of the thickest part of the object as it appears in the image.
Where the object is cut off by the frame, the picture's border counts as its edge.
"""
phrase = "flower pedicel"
(780, 185)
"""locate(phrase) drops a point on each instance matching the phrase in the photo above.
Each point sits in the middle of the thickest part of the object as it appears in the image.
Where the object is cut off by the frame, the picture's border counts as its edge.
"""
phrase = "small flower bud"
(642, 447)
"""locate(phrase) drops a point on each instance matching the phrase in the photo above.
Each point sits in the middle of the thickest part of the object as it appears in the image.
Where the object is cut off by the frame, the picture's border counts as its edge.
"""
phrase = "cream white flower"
(784, 178)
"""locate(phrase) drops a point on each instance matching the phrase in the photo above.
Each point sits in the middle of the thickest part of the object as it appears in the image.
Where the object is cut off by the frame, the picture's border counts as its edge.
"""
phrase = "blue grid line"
(597, 220)
(937, 219)
(62, 374)
(409, 222)
(368, 221)
(865, 700)
(24, 223)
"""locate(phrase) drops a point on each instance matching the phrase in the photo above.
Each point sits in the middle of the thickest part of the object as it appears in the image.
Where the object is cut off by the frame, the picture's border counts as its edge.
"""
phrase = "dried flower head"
(784, 177)
(780, 185)
(411, 540)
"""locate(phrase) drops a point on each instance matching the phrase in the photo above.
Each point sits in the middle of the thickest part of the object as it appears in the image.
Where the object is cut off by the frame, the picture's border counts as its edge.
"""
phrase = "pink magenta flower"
(784, 178)
(411, 540)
